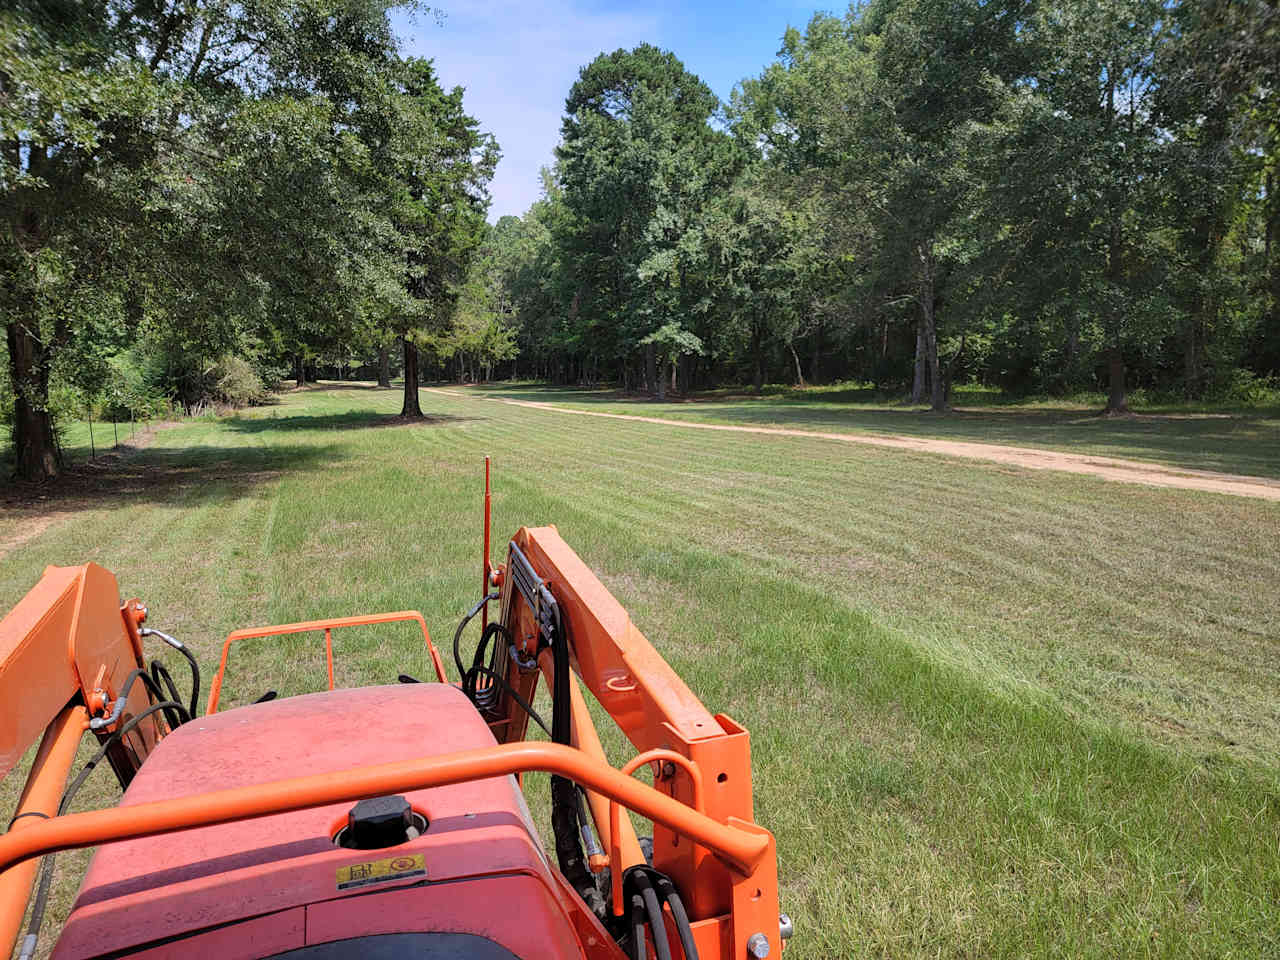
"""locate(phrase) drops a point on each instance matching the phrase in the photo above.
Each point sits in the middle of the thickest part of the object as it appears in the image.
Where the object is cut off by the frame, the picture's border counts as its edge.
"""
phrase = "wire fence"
(83, 441)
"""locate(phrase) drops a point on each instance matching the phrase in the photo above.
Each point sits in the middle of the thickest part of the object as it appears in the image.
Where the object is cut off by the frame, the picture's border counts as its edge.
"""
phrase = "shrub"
(1244, 388)
(233, 381)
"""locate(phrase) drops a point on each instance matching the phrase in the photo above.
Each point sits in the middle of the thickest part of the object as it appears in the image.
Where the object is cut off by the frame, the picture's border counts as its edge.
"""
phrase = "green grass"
(993, 712)
(1233, 440)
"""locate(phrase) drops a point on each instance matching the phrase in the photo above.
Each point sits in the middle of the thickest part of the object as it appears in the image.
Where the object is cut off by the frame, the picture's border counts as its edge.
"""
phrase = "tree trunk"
(815, 360)
(299, 370)
(35, 449)
(917, 381)
(757, 348)
(1116, 401)
(937, 396)
(1069, 351)
(411, 407)
(949, 376)
(1191, 358)
(927, 296)
(384, 366)
(650, 368)
(796, 357)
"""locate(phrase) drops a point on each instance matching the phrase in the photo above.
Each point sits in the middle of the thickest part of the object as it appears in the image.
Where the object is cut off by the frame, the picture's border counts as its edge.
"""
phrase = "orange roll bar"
(741, 849)
(328, 626)
(40, 798)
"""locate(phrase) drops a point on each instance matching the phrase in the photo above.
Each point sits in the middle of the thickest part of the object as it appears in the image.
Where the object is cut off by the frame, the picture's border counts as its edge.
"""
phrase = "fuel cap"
(380, 822)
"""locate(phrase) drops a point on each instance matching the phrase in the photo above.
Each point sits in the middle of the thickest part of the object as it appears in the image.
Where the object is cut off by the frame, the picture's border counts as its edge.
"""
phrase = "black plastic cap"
(379, 822)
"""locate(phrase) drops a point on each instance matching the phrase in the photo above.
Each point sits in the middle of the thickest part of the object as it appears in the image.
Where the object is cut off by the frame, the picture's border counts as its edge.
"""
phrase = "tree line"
(199, 195)
(1040, 195)
(199, 199)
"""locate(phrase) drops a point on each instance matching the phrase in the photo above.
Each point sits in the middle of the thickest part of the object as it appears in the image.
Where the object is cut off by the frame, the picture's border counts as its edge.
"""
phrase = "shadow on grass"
(196, 475)
(368, 386)
(351, 420)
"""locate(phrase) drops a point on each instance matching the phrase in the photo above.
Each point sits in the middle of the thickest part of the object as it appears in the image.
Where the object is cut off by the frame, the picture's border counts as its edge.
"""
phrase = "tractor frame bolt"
(785, 927)
(758, 946)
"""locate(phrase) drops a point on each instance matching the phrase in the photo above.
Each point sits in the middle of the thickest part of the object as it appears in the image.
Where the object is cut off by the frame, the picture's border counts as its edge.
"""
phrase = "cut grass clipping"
(993, 714)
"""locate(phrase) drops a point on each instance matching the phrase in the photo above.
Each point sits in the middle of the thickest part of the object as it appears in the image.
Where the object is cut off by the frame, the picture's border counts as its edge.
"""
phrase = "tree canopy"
(204, 176)
(1041, 197)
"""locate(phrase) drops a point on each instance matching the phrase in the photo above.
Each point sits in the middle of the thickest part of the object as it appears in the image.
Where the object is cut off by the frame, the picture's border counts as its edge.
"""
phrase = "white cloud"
(517, 61)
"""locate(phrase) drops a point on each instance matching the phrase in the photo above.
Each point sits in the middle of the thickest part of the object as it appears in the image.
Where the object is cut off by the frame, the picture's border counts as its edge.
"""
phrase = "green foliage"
(638, 166)
(674, 340)
(1050, 198)
(251, 179)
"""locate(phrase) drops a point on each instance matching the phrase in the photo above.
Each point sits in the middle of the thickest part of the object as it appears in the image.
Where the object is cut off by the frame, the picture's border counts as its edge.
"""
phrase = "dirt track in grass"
(1029, 458)
(28, 510)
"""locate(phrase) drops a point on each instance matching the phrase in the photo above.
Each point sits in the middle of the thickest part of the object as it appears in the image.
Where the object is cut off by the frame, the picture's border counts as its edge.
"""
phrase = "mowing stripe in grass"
(964, 688)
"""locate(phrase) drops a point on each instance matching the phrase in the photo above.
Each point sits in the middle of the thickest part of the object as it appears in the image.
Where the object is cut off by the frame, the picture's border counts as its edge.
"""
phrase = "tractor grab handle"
(739, 848)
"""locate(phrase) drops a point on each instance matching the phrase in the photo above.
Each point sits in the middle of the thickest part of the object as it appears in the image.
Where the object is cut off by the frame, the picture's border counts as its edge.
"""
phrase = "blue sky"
(518, 58)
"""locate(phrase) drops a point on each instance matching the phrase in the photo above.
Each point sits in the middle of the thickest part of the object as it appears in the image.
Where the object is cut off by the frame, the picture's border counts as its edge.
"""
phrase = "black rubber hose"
(561, 705)
(160, 674)
(642, 883)
(41, 903)
(521, 702)
(182, 649)
(564, 792)
(195, 680)
(564, 827)
(457, 634)
(637, 924)
(487, 700)
(138, 673)
(667, 890)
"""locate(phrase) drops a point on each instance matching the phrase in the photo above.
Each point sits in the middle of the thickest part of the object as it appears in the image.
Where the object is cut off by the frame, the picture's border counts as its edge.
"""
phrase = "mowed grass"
(993, 712)
(1242, 440)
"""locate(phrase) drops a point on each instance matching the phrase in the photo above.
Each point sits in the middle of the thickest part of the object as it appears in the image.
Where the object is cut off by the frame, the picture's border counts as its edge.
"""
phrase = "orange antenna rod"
(484, 585)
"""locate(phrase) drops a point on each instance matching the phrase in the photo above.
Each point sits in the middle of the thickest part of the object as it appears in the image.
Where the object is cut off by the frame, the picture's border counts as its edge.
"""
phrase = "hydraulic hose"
(636, 921)
(653, 910)
(565, 824)
(182, 649)
(41, 903)
(667, 890)
(457, 634)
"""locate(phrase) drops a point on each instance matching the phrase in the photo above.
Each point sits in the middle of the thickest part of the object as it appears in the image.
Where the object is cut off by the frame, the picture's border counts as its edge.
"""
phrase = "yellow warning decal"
(381, 871)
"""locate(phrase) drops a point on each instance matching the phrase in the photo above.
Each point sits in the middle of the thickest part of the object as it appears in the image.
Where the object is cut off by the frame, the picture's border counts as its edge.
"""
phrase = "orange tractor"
(388, 821)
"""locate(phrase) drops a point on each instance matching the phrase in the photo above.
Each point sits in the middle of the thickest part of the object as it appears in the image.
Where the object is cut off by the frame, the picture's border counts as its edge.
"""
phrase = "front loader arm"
(66, 650)
(656, 711)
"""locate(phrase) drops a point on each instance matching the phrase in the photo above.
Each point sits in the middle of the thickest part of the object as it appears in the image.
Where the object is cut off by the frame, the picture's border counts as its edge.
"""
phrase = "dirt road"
(1031, 458)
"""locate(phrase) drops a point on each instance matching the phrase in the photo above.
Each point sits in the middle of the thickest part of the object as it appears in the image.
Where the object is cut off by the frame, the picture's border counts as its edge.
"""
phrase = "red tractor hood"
(257, 887)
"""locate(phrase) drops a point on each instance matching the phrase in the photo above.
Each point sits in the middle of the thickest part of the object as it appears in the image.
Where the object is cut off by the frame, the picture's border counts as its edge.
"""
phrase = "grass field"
(994, 713)
(1242, 440)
